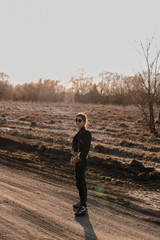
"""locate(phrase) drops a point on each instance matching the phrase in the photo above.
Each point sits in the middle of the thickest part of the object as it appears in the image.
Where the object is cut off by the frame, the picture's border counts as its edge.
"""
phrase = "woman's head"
(81, 120)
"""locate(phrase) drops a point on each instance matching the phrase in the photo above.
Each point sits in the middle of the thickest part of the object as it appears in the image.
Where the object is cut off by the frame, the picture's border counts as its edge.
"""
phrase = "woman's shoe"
(77, 205)
(81, 211)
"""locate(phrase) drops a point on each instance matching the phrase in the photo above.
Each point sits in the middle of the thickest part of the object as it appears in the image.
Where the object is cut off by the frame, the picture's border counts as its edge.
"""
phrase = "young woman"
(80, 148)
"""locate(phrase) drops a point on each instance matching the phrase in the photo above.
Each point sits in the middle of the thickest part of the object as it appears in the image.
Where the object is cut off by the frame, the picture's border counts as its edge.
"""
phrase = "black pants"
(81, 185)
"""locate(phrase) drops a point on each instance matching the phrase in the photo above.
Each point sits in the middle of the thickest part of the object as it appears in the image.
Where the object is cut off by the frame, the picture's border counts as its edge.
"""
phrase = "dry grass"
(120, 130)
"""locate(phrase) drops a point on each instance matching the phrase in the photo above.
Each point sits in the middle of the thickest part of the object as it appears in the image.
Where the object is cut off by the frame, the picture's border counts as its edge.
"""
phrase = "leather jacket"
(81, 144)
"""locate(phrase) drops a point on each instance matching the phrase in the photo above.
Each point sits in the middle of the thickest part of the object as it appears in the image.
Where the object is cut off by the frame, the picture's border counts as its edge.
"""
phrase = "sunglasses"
(78, 120)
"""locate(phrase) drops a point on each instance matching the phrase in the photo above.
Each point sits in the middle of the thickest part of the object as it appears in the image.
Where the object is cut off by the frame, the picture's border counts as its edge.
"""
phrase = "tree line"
(142, 89)
(112, 88)
(44, 90)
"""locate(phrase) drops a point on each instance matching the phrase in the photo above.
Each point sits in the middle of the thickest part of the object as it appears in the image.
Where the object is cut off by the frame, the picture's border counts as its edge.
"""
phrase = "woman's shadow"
(87, 226)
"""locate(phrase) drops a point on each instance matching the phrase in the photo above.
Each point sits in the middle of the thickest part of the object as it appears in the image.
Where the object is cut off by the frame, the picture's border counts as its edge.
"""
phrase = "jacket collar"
(82, 129)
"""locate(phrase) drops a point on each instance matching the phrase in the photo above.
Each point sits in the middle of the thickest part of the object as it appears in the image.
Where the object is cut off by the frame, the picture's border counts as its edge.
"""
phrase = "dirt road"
(34, 207)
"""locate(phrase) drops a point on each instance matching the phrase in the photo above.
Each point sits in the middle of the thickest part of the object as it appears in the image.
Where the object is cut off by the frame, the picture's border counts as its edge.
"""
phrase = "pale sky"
(54, 38)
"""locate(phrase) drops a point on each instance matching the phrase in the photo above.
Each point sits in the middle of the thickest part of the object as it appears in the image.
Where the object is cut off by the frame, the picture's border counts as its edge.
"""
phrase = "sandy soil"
(37, 187)
(35, 207)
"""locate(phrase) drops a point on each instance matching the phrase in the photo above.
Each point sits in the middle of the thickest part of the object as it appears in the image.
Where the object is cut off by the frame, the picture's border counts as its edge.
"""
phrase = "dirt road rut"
(35, 208)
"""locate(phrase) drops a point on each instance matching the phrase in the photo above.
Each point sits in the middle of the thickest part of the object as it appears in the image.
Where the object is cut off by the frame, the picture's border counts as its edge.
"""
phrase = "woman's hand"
(74, 159)
(71, 161)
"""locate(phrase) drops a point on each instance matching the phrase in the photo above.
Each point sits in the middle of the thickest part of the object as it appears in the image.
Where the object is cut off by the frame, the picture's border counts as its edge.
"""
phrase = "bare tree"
(146, 85)
(5, 87)
(104, 84)
(81, 82)
(111, 83)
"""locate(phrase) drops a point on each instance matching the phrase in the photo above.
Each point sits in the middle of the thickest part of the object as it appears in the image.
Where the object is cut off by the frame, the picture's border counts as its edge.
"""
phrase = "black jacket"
(81, 143)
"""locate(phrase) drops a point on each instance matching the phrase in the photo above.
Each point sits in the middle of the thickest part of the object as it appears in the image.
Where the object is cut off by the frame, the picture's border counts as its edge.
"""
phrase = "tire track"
(35, 208)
